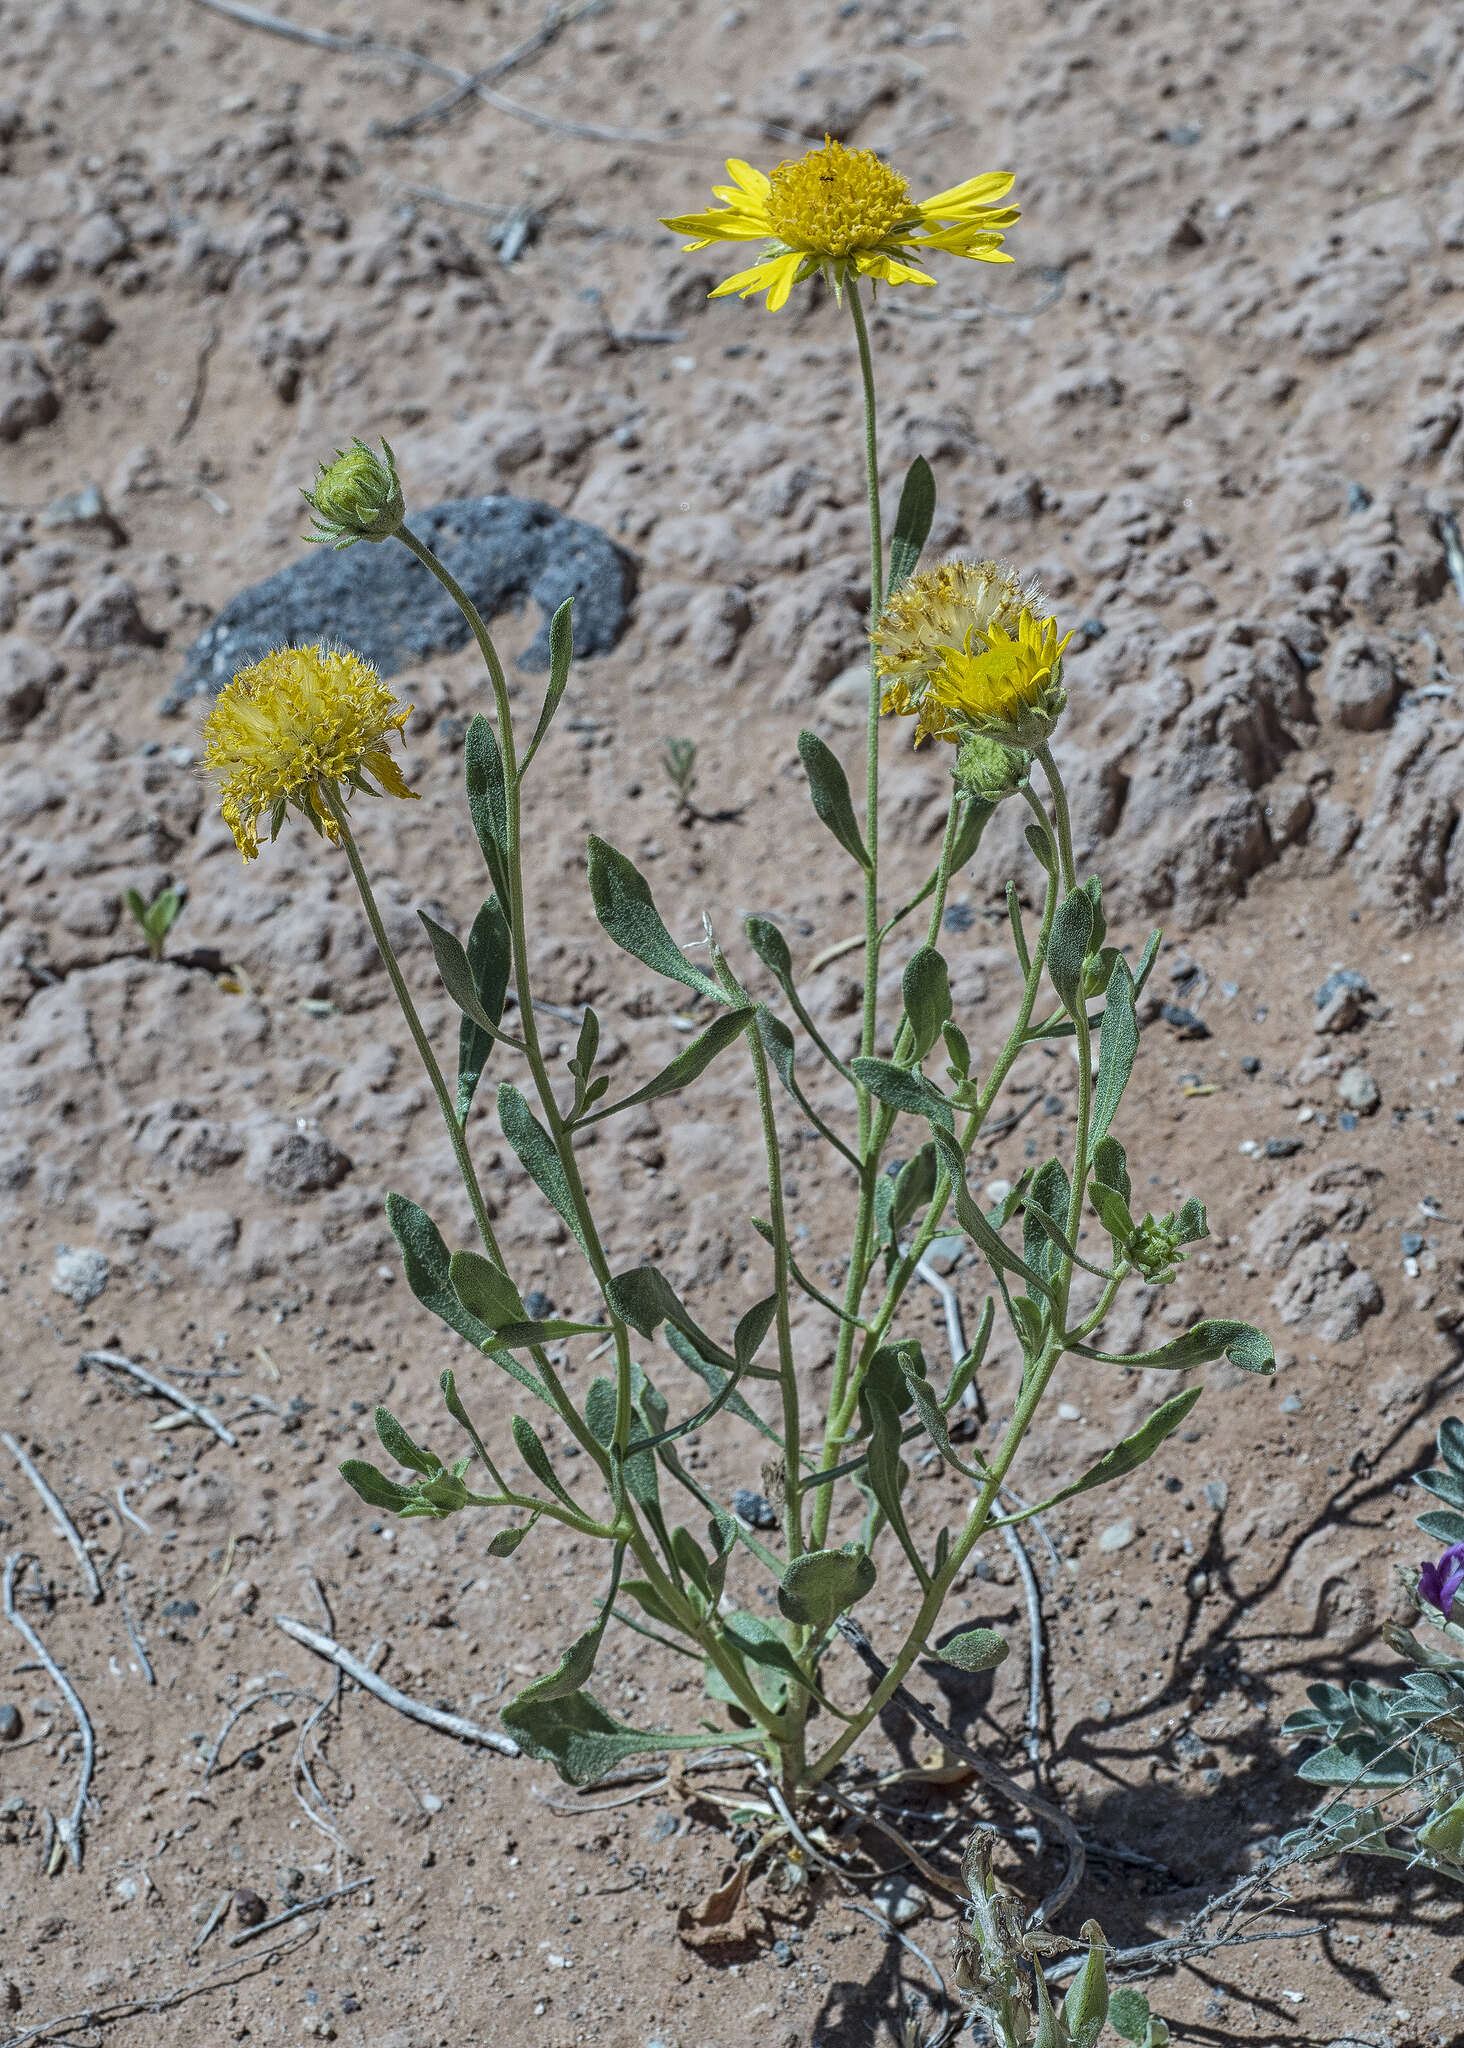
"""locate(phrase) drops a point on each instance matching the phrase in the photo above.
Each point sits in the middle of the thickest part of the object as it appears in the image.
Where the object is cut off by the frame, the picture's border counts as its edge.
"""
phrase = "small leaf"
(1043, 850)
(1445, 1485)
(828, 785)
(1128, 2013)
(823, 1584)
(1242, 1343)
(507, 1541)
(1118, 1044)
(751, 1329)
(687, 1065)
(428, 1267)
(1069, 946)
(578, 1661)
(914, 1186)
(537, 1459)
(1113, 1212)
(905, 1090)
(912, 522)
(1135, 1450)
(374, 1487)
(974, 821)
(972, 1219)
(628, 915)
(1085, 2008)
(561, 654)
(1044, 1224)
(399, 1445)
(717, 1383)
(886, 1470)
(537, 1155)
(582, 1741)
(975, 1649)
(526, 1335)
(488, 800)
(770, 947)
(1451, 1443)
(490, 958)
(1443, 1523)
(457, 975)
(645, 1298)
(484, 1290)
(926, 988)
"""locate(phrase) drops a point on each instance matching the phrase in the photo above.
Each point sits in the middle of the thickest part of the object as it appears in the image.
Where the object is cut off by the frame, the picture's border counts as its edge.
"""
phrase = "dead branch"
(294, 1912)
(554, 23)
(68, 1830)
(431, 1717)
(58, 1514)
(169, 1393)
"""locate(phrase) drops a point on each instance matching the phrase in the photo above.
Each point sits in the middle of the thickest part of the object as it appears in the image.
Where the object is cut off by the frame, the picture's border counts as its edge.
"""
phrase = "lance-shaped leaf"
(973, 1221)
(1129, 1453)
(1085, 2009)
(457, 975)
(485, 1290)
(488, 800)
(1444, 1524)
(374, 1487)
(490, 958)
(537, 1155)
(828, 785)
(1118, 1044)
(1110, 1165)
(1044, 1221)
(645, 1298)
(823, 1584)
(1444, 1483)
(428, 1267)
(912, 522)
(525, 1336)
(905, 1090)
(767, 941)
(926, 988)
(538, 1461)
(638, 1469)
(974, 1649)
(628, 914)
(887, 1472)
(928, 1408)
(1069, 946)
(561, 654)
(686, 1066)
(397, 1444)
(757, 1642)
(1217, 1337)
(721, 1384)
(507, 1541)
(583, 1742)
(966, 1369)
(574, 1667)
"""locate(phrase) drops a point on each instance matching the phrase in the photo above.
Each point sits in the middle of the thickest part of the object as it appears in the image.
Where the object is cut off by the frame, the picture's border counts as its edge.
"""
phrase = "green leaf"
(537, 1459)
(926, 988)
(914, 1186)
(1133, 1451)
(537, 1155)
(643, 1297)
(133, 899)
(905, 1090)
(578, 1661)
(1445, 1485)
(1085, 2009)
(1044, 1222)
(770, 947)
(752, 1328)
(561, 654)
(484, 1290)
(719, 1383)
(1110, 1165)
(1069, 946)
(974, 821)
(639, 1466)
(457, 975)
(1118, 1044)
(399, 1445)
(975, 1649)
(490, 951)
(524, 1336)
(958, 1050)
(823, 1584)
(932, 1415)
(1443, 1523)
(974, 1222)
(687, 1065)
(1128, 2013)
(582, 1741)
(1113, 1212)
(1219, 1336)
(912, 522)
(374, 1487)
(691, 1561)
(628, 915)
(828, 785)
(966, 1369)
(507, 1541)
(1030, 1323)
(488, 801)
(1451, 1443)
(1043, 850)
(886, 1470)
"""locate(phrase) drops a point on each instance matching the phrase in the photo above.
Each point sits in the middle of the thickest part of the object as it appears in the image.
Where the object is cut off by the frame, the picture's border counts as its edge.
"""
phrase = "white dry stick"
(169, 1393)
(68, 1829)
(58, 1514)
(430, 1717)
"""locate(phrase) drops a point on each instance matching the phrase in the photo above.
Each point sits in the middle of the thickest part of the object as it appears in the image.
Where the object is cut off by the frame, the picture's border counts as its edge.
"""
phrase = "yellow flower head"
(1012, 691)
(842, 212)
(952, 607)
(302, 721)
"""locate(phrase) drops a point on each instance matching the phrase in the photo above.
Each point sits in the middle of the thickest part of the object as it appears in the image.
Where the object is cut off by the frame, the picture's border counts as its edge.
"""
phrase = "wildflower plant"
(1400, 1748)
(969, 653)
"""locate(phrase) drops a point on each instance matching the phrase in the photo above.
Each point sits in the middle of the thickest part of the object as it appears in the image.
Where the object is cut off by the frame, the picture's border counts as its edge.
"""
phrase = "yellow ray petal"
(978, 191)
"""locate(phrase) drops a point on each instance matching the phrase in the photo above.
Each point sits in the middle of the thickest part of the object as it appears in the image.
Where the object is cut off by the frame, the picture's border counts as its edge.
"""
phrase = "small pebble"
(1291, 1405)
(899, 1900)
(751, 1508)
(1359, 1090)
(10, 1722)
(248, 1907)
(1066, 1412)
(1282, 1148)
(1103, 1710)
(180, 1610)
(431, 1803)
(1185, 1022)
(1413, 1243)
(1342, 977)
(1117, 1536)
(1216, 1494)
(1346, 1121)
(1250, 1064)
(959, 917)
(537, 1305)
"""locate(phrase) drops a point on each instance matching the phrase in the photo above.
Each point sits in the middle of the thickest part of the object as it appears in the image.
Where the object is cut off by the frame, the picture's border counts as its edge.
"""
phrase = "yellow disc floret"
(1009, 691)
(303, 723)
(952, 607)
(834, 201)
(842, 213)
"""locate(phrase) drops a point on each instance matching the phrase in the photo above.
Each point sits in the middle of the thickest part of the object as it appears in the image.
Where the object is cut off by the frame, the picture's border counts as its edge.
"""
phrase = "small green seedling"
(156, 918)
(679, 761)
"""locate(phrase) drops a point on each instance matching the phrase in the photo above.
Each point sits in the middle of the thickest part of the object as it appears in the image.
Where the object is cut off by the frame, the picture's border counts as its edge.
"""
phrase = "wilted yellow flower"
(952, 607)
(839, 211)
(302, 720)
(1012, 691)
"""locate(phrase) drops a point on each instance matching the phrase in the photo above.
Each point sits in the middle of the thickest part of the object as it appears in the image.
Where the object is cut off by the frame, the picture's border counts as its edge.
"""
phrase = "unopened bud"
(989, 769)
(356, 497)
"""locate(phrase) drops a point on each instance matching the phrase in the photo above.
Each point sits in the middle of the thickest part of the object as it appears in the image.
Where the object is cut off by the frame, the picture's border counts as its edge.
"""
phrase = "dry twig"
(294, 1912)
(68, 1829)
(554, 23)
(169, 1393)
(431, 1717)
(142, 1657)
(58, 1514)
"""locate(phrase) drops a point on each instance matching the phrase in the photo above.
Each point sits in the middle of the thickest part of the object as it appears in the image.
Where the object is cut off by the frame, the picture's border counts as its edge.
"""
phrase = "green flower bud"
(989, 768)
(356, 497)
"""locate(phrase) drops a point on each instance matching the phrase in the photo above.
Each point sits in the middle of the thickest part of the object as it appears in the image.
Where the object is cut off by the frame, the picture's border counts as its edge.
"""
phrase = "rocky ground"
(1217, 405)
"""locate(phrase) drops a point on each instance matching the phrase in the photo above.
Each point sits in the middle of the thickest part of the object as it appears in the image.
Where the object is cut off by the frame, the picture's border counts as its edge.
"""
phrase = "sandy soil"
(1217, 403)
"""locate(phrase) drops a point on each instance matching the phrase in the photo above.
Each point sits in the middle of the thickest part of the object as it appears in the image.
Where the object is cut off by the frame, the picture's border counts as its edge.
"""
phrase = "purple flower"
(1439, 1584)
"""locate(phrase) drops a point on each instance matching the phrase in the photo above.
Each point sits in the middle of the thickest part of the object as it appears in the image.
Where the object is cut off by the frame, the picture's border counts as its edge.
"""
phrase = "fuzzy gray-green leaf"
(1118, 1044)
(828, 786)
(628, 914)
(823, 1584)
(926, 988)
(687, 1065)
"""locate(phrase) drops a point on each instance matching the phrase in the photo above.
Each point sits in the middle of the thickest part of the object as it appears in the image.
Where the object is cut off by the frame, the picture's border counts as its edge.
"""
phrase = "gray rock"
(110, 618)
(292, 1163)
(751, 1508)
(26, 395)
(84, 512)
(1117, 1536)
(98, 241)
(1362, 682)
(1340, 978)
(1324, 1294)
(899, 1900)
(80, 1275)
(1341, 1012)
(26, 674)
(79, 317)
(10, 1722)
(384, 605)
(32, 263)
(1359, 1090)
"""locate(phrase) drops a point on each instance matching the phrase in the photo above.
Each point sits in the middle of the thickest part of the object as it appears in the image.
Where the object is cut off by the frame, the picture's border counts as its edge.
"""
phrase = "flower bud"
(989, 769)
(356, 497)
